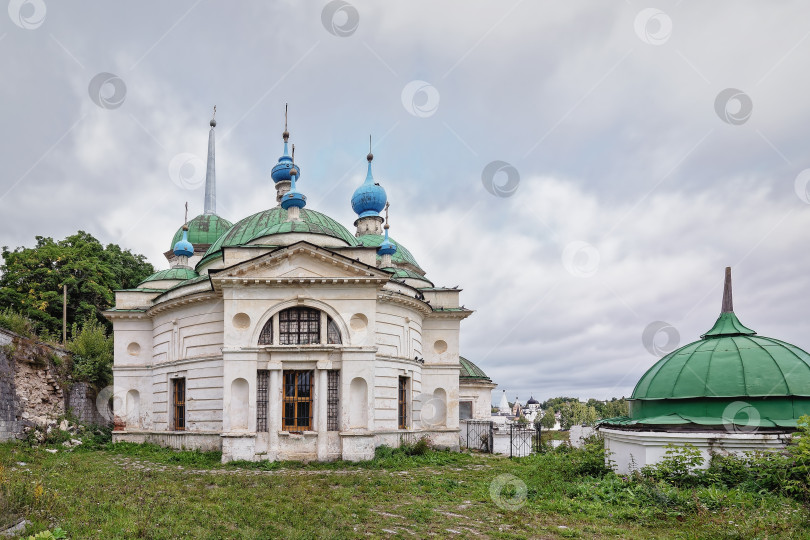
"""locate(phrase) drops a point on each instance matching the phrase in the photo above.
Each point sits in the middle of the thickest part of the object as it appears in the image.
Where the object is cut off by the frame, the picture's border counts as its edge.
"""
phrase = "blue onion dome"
(183, 247)
(293, 197)
(369, 199)
(281, 170)
(387, 247)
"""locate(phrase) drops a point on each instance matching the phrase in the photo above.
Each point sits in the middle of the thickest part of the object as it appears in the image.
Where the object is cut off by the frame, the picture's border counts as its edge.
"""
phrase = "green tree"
(32, 279)
(549, 419)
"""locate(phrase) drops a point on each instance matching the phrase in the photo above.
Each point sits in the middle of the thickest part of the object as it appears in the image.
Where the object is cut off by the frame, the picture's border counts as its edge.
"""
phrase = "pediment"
(296, 263)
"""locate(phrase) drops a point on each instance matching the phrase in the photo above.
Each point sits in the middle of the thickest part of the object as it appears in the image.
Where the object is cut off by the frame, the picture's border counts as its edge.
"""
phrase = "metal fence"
(524, 440)
(479, 435)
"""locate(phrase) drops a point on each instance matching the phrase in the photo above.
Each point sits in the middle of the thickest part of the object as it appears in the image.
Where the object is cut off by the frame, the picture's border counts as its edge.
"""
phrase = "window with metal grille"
(262, 376)
(332, 332)
(465, 409)
(266, 337)
(179, 404)
(402, 402)
(299, 326)
(332, 400)
(297, 401)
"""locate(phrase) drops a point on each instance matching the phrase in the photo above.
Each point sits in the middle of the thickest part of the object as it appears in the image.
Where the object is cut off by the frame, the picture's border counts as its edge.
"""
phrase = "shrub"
(17, 323)
(680, 466)
(92, 353)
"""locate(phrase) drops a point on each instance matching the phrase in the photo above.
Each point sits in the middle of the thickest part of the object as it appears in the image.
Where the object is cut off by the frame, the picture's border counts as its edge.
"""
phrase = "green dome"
(274, 221)
(180, 274)
(203, 229)
(730, 378)
(728, 365)
(471, 372)
(402, 256)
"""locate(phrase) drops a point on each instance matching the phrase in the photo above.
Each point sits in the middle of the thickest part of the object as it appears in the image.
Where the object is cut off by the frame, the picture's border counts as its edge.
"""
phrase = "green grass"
(143, 491)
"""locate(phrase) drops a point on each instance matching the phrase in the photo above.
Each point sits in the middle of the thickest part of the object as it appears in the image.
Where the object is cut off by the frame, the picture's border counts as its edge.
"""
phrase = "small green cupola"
(730, 378)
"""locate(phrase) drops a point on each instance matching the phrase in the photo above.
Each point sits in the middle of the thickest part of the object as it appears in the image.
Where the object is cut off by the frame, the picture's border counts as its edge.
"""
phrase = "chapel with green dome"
(285, 335)
(730, 391)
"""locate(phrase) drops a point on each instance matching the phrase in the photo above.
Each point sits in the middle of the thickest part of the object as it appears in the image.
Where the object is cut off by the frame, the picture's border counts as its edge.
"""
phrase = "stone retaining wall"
(31, 387)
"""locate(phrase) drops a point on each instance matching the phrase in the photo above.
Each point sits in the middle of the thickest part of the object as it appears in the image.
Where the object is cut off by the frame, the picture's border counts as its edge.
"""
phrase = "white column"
(274, 396)
(321, 423)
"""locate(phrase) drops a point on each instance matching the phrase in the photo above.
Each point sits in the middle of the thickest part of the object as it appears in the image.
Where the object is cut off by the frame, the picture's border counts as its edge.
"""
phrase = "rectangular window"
(299, 326)
(332, 400)
(262, 376)
(297, 401)
(403, 402)
(179, 399)
(465, 410)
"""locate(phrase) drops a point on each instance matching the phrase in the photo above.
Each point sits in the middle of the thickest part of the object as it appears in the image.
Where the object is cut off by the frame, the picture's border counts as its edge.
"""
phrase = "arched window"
(300, 326)
(332, 332)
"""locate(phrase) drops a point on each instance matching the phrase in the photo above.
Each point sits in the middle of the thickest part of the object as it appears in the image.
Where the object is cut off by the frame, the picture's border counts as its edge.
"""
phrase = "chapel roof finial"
(185, 220)
(728, 303)
(370, 156)
(213, 122)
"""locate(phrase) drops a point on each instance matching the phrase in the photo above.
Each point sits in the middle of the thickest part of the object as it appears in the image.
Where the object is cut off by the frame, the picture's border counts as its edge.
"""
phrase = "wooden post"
(64, 314)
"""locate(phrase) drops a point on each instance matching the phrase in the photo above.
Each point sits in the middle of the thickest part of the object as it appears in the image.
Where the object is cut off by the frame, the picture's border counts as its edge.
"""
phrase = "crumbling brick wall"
(33, 387)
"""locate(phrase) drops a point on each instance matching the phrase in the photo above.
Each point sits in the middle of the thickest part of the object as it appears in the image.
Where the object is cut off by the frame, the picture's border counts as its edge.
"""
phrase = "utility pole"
(64, 314)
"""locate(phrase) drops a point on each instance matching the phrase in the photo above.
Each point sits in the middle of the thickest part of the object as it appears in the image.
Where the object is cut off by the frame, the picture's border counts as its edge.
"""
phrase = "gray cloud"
(617, 143)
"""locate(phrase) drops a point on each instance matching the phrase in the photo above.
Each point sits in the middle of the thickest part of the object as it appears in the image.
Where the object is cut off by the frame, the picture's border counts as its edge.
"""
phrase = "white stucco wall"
(631, 450)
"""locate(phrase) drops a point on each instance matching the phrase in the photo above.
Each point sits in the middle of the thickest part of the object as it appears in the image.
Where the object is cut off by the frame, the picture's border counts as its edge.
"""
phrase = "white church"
(287, 337)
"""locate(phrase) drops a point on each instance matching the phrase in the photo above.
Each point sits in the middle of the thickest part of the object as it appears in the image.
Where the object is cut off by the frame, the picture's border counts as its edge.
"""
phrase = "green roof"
(274, 221)
(402, 256)
(730, 377)
(203, 229)
(470, 371)
(404, 273)
(735, 365)
(172, 273)
(728, 325)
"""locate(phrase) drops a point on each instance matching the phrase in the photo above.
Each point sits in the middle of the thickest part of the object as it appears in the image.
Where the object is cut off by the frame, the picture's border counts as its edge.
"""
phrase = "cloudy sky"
(583, 170)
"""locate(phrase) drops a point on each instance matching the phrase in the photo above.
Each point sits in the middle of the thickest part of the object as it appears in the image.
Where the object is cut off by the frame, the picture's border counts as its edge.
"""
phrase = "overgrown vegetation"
(128, 490)
(92, 352)
(17, 323)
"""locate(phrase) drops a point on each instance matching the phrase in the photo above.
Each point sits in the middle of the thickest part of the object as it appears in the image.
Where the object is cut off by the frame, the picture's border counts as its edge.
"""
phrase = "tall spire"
(728, 304)
(210, 172)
